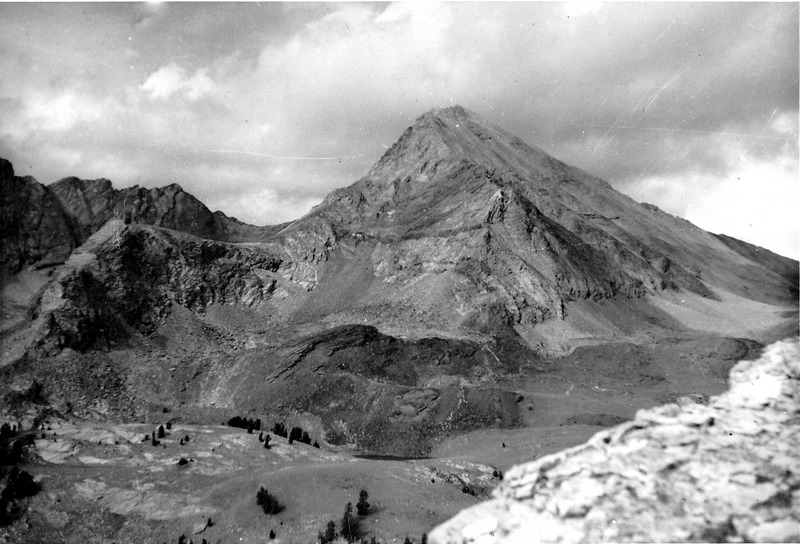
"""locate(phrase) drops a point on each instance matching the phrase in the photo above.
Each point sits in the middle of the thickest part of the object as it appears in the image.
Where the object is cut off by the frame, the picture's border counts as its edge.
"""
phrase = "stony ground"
(723, 471)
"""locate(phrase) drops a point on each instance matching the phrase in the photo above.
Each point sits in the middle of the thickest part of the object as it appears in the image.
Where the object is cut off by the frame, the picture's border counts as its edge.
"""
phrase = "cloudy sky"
(259, 110)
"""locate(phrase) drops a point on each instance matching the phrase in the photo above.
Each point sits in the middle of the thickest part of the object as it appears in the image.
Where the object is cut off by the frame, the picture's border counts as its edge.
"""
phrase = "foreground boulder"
(726, 471)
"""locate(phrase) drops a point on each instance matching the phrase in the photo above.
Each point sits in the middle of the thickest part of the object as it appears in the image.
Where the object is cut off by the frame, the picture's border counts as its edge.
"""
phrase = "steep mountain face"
(91, 203)
(461, 244)
(35, 228)
(508, 235)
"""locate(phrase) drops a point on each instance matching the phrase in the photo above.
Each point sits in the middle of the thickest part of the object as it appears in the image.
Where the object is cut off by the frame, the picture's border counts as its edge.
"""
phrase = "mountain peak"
(446, 138)
(452, 114)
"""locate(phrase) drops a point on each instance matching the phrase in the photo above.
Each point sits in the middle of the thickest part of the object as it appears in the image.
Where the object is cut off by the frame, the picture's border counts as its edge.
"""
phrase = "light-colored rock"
(726, 471)
(785, 530)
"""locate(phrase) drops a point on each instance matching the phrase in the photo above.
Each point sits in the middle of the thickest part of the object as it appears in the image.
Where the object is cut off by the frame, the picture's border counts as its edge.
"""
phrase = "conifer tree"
(330, 532)
(161, 433)
(268, 502)
(350, 527)
(362, 505)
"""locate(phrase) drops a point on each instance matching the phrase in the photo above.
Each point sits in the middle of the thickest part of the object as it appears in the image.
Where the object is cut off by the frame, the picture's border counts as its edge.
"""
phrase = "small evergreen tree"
(169, 425)
(266, 441)
(280, 429)
(268, 502)
(424, 539)
(407, 540)
(5, 431)
(330, 533)
(305, 439)
(271, 534)
(161, 432)
(316, 444)
(296, 435)
(257, 425)
(350, 527)
(362, 506)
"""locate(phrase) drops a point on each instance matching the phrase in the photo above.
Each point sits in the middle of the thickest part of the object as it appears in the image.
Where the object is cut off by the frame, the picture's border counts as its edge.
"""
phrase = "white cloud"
(579, 8)
(757, 203)
(171, 79)
(61, 111)
(753, 200)
(263, 206)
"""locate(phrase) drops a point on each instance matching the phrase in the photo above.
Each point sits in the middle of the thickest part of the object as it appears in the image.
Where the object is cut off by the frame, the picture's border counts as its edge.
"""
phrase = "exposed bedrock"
(728, 471)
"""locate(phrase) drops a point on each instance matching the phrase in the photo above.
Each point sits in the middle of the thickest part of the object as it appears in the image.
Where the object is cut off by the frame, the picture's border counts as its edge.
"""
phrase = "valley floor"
(103, 482)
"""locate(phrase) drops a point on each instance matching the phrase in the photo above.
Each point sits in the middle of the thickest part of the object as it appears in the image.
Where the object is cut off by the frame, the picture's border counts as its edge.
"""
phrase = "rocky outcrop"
(127, 278)
(41, 225)
(728, 471)
(91, 203)
(34, 229)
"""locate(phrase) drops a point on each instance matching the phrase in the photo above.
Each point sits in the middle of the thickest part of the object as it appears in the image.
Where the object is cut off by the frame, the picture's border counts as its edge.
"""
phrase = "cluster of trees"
(297, 434)
(11, 450)
(265, 439)
(183, 540)
(350, 525)
(8, 431)
(245, 423)
(18, 485)
(268, 502)
(160, 433)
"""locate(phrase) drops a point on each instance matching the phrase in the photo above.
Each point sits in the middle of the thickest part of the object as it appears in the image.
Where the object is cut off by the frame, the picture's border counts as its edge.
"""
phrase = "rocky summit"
(726, 471)
(469, 291)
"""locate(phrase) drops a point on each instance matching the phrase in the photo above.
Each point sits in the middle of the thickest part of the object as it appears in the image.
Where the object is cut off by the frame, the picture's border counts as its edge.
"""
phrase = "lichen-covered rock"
(726, 471)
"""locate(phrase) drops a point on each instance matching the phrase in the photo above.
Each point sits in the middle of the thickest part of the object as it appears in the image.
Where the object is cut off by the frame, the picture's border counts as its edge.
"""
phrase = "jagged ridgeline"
(392, 313)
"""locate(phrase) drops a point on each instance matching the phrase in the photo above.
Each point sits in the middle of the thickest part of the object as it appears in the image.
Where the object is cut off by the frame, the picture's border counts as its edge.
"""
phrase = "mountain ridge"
(460, 234)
